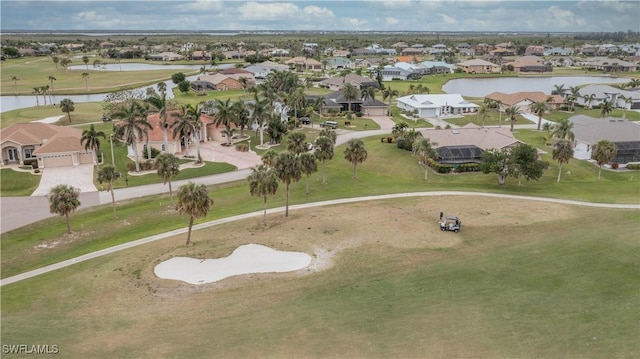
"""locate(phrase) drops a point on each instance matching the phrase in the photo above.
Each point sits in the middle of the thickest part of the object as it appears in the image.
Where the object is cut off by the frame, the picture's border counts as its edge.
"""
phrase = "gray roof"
(591, 130)
(601, 91)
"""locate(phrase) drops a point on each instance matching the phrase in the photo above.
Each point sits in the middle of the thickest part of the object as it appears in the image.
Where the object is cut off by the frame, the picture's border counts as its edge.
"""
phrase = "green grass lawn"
(547, 288)
(14, 183)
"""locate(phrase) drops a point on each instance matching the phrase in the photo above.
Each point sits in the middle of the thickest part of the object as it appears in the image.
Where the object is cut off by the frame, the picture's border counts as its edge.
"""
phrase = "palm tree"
(109, 174)
(628, 100)
(168, 167)
(308, 166)
(241, 116)
(269, 157)
(483, 111)
(562, 130)
(63, 200)
(15, 84)
(195, 113)
(160, 104)
(349, 93)
(183, 126)
(512, 112)
(367, 93)
(603, 152)
(562, 152)
(324, 152)
(259, 114)
(319, 103)
(390, 94)
(193, 200)
(605, 109)
(589, 99)
(399, 129)
(67, 106)
(540, 108)
(85, 59)
(85, 76)
(297, 143)
(134, 126)
(423, 150)
(55, 60)
(355, 153)
(65, 63)
(332, 135)
(52, 79)
(224, 116)
(91, 139)
(36, 91)
(287, 169)
(558, 90)
(263, 182)
(633, 83)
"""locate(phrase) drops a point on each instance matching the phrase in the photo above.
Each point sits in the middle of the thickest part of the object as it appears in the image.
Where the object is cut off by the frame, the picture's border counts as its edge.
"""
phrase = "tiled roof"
(35, 133)
(591, 130)
(472, 135)
(514, 98)
(60, 144)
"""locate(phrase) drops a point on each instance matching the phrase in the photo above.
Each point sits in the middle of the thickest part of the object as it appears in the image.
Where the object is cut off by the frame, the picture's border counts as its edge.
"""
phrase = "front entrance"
(12, 154)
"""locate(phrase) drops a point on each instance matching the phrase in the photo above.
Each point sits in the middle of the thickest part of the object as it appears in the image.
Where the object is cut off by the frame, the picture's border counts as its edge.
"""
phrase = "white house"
(437, 105)
(624, 134)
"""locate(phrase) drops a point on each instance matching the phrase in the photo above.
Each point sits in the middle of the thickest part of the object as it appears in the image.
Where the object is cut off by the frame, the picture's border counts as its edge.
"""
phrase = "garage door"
(58, 161)
(86, 158)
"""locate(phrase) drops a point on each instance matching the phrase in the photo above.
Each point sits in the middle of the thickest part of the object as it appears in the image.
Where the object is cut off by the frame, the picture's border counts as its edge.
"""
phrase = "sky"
(322, 15)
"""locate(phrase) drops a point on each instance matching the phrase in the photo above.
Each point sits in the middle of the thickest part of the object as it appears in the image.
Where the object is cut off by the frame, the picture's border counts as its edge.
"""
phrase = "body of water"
(9, 102)
(139, 67)
(482, 87)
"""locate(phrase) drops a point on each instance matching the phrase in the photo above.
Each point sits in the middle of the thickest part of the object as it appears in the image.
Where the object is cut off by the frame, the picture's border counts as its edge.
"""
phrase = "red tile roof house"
(524, 100)
(305, 63)
(49, 145)
(466, 144)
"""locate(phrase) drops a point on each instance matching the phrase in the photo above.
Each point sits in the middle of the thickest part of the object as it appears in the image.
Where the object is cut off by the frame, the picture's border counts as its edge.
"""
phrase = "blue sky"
(360, 15)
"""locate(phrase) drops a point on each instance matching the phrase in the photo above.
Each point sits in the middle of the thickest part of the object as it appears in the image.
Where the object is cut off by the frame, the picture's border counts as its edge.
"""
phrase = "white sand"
(246, 259)
(50, 119)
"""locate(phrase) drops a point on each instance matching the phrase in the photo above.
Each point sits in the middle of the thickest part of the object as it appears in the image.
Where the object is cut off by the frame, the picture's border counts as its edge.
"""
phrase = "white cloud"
(268, 11)
(200, 5)
(319, 12)
(391, 20)
(397, 4)
(354, 22)
(448, 20)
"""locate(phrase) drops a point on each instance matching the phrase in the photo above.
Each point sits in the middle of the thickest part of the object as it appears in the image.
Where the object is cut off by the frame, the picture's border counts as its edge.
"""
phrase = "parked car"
(331, 124)
(305, 120)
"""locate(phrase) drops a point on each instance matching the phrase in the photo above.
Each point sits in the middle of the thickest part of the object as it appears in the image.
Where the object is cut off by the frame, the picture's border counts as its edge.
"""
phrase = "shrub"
(467, 167)
(359, 114)
(242, 147)
(31, 162)
(633, 166)
(439, 167)
(615, 165)
(154, 152)
(36, 171)
(400, 142)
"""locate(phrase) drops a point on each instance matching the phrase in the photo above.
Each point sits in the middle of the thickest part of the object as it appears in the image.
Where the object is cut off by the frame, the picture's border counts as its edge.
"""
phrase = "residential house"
(558, 51)
(304, 63)
(588, 50)
(412, 51)
(594, 95)
(368, 107)
(534, 50)
(340, 63)
(439, 105)
(438, 49)
(478, 66)
(261, 70)
(466, 144)
(336, 83)
(438, 67)
(409, 59)
(199, 55)
(624, 134)
(224, 81)
(482, 49)
(502, 52)
(611, 65)
(46, 144)
(165, 56)
(528, 66)
(390, 73)
(524, 100)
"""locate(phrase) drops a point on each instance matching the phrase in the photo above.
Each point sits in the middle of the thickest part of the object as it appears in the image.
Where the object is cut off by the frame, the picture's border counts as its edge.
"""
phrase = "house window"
(163, 148)
(28, 153)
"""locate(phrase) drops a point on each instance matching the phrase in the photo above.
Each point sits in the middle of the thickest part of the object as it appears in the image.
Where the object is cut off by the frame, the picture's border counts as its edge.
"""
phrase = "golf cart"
(450, 223)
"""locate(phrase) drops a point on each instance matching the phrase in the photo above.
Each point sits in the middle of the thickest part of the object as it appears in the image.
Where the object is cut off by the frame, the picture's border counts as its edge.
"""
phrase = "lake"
(13, 102)
(482, 87)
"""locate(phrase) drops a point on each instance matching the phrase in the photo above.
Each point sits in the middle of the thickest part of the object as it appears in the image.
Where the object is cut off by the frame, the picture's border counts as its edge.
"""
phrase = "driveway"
(80, 176)
(214, 152)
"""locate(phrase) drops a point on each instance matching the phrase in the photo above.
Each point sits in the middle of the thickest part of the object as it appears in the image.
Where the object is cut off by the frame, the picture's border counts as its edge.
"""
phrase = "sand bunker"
(246, 259)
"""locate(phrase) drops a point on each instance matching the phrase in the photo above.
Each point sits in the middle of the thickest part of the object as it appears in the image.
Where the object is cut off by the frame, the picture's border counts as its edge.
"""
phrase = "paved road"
(157, 237)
